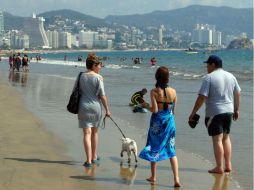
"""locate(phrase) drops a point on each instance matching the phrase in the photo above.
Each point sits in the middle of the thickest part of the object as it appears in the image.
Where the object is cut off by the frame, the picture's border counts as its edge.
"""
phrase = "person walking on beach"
(25, 63)
(92, 99)
(221, 93)
(10, 62)
(18, 62)
(161, 135)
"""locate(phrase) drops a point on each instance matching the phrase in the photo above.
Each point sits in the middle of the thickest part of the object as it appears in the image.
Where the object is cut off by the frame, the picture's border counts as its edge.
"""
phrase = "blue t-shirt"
(219, 87)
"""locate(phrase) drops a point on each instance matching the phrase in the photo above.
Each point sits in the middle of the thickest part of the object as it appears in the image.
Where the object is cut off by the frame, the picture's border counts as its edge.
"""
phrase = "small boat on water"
(191, 51)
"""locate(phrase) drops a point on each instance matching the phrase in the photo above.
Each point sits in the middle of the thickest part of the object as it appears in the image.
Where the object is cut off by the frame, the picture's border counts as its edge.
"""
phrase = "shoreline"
(30, 156)
(5, 53)
(40, 159)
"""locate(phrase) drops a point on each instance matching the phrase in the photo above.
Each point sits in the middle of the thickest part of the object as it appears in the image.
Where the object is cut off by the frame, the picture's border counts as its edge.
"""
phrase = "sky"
(103, 8)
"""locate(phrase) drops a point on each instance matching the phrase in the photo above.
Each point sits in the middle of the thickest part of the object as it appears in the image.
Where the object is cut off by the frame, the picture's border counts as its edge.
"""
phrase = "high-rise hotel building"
(161, 34)
(53, 39)
(64, 39)
(206, 34)
(1, 22)
(87, 38)
(35, 29)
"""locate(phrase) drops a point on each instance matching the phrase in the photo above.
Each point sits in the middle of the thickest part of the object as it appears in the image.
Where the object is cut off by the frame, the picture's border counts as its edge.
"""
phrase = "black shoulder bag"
(73, 104)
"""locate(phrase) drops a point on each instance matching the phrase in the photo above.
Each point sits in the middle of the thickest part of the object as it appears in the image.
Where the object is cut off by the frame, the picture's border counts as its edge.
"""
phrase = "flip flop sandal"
(87, 165)
(97, 161)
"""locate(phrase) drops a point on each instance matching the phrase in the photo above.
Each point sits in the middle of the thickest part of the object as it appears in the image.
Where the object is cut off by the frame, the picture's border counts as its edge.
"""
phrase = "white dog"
(129, 146)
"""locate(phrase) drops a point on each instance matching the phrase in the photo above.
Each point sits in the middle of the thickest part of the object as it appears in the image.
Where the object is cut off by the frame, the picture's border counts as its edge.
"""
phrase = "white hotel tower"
(53, 39)
(1, 23)
(87, 38)
(205, 33)
(35, 29)
(161, 34)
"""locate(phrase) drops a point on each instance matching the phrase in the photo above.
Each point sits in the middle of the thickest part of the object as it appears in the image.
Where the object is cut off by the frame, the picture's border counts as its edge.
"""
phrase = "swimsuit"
(165, 104)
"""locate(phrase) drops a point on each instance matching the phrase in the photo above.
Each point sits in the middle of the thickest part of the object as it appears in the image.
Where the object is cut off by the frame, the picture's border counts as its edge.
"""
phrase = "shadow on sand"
(44, 161)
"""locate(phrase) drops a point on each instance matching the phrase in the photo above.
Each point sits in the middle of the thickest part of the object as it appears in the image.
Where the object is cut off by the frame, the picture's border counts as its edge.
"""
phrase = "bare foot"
(177, 182)
(216, 171)
(177, 185)
(151, 180)
(227, 170)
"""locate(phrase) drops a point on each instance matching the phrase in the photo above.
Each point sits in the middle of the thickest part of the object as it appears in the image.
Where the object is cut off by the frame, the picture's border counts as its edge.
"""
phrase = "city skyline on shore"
(111, 7)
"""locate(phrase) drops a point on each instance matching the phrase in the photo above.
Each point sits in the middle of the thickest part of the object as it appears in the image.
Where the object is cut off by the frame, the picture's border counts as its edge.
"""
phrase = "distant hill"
(227, 20)
(13, 22)
(16, 22)
(51, 16)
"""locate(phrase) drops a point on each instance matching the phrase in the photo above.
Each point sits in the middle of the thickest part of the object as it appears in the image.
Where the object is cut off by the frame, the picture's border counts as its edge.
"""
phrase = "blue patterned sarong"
(160, 143)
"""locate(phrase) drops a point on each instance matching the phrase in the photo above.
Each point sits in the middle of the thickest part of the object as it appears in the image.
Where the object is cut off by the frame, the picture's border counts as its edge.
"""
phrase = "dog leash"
(104, 124)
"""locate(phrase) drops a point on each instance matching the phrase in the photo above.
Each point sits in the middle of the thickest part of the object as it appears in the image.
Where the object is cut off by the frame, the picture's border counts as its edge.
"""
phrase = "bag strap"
(79, 79)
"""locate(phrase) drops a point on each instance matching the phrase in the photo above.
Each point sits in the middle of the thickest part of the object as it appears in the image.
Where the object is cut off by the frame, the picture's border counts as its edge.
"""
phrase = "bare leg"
(87, 144)
(227, 152)
(153, 171)
(94, 141)
(174, 165)
(218, 153)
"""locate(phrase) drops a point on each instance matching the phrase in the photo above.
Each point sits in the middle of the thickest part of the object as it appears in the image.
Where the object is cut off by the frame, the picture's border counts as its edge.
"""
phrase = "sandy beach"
(31, 157)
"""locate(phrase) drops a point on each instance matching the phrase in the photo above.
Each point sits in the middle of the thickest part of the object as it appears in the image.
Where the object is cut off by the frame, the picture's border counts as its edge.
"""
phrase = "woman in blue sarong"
(161, 135)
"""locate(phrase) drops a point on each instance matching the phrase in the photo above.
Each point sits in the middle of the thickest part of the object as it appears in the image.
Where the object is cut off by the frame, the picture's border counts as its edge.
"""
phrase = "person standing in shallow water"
(161, 135)
(18, 61)
(221, 93)
(93, 98)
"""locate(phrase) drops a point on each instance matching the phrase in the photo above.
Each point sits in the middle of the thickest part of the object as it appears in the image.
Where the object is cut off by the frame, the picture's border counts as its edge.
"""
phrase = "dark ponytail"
(162, 77)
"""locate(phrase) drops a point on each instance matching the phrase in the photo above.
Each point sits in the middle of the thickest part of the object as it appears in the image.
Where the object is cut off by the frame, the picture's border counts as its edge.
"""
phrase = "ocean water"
(50, 82)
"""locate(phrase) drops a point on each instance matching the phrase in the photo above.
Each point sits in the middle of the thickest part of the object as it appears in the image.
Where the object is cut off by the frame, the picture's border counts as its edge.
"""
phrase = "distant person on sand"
(10, 62)
(221, 93)
(18, 61)
(160, 143)
(25, 63)
(92, 99)
(14, 65)
(37, 58)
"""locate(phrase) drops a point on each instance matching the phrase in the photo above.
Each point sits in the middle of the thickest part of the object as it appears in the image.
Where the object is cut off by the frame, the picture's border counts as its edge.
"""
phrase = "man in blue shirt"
(221, 93)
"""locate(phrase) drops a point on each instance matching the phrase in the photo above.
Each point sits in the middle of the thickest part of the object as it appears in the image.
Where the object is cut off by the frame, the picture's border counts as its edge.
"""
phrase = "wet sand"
(33, 158)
